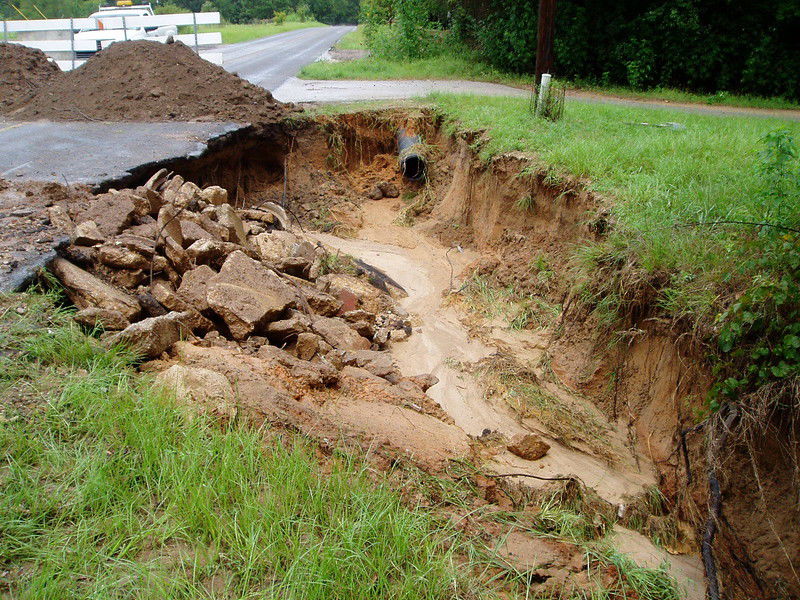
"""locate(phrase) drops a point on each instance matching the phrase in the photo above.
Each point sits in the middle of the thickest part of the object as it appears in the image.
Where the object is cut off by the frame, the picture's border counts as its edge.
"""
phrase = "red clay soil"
(150, 81)
(22, 71)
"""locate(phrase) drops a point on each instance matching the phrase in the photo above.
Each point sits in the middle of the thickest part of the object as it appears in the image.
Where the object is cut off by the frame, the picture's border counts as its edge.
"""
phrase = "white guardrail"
(71, 46)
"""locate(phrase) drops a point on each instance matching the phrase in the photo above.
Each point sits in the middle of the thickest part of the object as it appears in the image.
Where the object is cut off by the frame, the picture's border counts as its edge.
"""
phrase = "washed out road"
(270, 61)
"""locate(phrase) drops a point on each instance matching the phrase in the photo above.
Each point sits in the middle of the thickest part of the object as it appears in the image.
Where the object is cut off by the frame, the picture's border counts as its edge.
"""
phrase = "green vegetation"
(703, 213)
(108, 490)
(681, 96)
(233, 33)
(436, 67)
(354, 40)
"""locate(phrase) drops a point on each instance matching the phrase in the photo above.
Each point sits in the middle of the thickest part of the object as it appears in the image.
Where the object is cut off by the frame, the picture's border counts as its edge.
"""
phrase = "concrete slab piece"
(95, 152)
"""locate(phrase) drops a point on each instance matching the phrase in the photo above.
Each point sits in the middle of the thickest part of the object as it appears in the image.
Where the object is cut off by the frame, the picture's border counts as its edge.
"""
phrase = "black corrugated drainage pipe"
(411, 153)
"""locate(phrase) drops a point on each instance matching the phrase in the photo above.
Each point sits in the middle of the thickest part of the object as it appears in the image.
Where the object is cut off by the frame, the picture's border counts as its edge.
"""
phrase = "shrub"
(279, 18)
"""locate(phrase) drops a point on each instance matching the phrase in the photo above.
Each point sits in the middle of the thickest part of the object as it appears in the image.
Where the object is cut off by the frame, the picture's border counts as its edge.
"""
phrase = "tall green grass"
(662, 181)
(233, 33)
(109, 490)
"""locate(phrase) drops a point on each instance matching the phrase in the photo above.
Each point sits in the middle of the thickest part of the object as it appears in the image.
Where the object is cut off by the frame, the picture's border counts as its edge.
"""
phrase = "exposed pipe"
(410, 153)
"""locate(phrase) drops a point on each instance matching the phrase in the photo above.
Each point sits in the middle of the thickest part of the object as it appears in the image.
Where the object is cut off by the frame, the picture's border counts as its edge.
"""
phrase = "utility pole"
(544, 42)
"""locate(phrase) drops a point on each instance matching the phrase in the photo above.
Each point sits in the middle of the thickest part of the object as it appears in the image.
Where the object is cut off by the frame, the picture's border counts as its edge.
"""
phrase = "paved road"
(270, 61)
(94, 152)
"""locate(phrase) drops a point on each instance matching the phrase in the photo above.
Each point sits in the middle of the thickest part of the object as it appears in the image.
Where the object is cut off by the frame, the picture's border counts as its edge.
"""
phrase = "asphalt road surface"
(270, 61)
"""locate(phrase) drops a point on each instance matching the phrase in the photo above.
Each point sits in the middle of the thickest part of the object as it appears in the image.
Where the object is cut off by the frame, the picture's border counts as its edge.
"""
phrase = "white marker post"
(544, 86)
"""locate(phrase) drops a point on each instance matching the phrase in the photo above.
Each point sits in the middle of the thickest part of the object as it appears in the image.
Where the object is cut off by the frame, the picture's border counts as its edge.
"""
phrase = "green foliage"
(279, 17)
(109, 490)
(303, 12)
(759, 334)
(168, 8)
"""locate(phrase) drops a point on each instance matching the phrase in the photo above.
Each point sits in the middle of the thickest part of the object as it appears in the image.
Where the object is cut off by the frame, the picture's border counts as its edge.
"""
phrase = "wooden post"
(544, 42)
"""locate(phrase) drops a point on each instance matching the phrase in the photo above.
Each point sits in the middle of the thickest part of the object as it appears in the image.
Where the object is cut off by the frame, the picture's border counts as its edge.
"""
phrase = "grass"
(108, 490)
(235, 33)
(354, 40)
(673, 95)
(440, 67)
(660, 179)
(516, 311)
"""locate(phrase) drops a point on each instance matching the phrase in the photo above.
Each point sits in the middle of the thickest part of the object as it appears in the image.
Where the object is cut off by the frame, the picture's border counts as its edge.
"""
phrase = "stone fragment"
(307, 345)
(149, 337)
(338, 334)
(286, 329)
(214, 195)
(389, 189)
(210, 252)
(191, 232)
(227, 217)
(187, 196)
(142, 244)
(425, 381)
(166, 295)
(168, 224)
(158, 179)
(120, 257)
(111, 212)
(275, 245)
(203, 390)
(60, 219)
(247, 295)
(109, 320)
(86, 291)
(529, 446)
(312, 374)
(194, 287)
(177, 256)
(88, 234)
(151, 306)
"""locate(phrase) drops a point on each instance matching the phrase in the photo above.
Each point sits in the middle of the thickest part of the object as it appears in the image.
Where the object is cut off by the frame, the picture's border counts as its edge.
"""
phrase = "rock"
(529, 447)
(312, 374)
(60, 220)
(247, 295)
(194, 286)
(111, 212)
(210, 252)
(364, 328)
(109, 320)
(187, 196)
(214, 195)
(120, 257)
(149, 337)
(227, 217)
(377, 363)
(142, 244)
(88, 234)
(389, 189)
(338, 334)
(304, 249)
(294, 265)
(286, 329)
(425, 381)
(307, 345)
(191, 232)
(169, 225)
(177, 256)
(87, 291)
(275, 245)
(151, 306)
(279, 212)
(348, 300)
(252, 214)
(369, 297)
(375, 193)
(201, 389)
(166, 295)
(128, 278)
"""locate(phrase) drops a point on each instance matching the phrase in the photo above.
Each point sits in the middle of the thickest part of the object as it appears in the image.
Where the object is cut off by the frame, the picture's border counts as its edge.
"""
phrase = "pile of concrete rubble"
(193, 284)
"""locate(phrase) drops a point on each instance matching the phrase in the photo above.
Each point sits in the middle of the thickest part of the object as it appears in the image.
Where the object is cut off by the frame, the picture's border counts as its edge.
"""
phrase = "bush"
(208, 6)
(279, 18)
(170, 9)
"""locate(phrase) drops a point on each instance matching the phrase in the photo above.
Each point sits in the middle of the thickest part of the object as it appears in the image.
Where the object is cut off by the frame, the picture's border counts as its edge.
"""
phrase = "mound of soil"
(22, 71)
(150, 81)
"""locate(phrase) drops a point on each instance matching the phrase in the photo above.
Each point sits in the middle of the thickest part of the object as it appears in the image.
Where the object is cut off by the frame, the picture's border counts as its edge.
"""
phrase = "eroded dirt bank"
(316, 289)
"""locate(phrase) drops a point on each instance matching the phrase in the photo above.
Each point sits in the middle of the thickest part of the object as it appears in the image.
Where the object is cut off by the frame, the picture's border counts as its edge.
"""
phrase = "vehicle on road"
(109, 26)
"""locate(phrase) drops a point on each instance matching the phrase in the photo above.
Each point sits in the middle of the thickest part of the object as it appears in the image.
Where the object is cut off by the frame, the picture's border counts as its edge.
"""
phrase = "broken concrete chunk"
(86, 291)
(60, 219)
(194, 286)
(149, 337)
(338, 334)
(120, 257)
(158, 179)
(203, 390)
(307, 345)
(214, 195)
(247, 295)
(275, 245)
(529, 446)
(168, 223)
(109, 320)
(88, 234)
(227, 217)
(111, 212)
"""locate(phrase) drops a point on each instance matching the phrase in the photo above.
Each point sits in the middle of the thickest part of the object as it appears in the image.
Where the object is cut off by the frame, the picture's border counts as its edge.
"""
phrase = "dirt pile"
(22, 72)
(149, 81)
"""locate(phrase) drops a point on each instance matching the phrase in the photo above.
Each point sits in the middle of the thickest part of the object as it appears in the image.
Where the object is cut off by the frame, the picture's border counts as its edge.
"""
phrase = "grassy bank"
(235, 33)
(439, 67)
(354, 40)
(108, 490)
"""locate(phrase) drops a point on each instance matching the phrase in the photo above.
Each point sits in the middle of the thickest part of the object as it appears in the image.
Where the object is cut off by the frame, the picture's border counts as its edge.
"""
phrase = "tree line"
(702, 45)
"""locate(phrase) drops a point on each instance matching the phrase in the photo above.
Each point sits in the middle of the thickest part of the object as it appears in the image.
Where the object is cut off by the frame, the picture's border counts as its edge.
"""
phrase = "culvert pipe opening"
(412, 158)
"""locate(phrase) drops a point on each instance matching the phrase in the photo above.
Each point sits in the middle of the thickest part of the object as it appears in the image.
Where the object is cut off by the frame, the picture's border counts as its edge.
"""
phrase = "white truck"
(109, 26)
